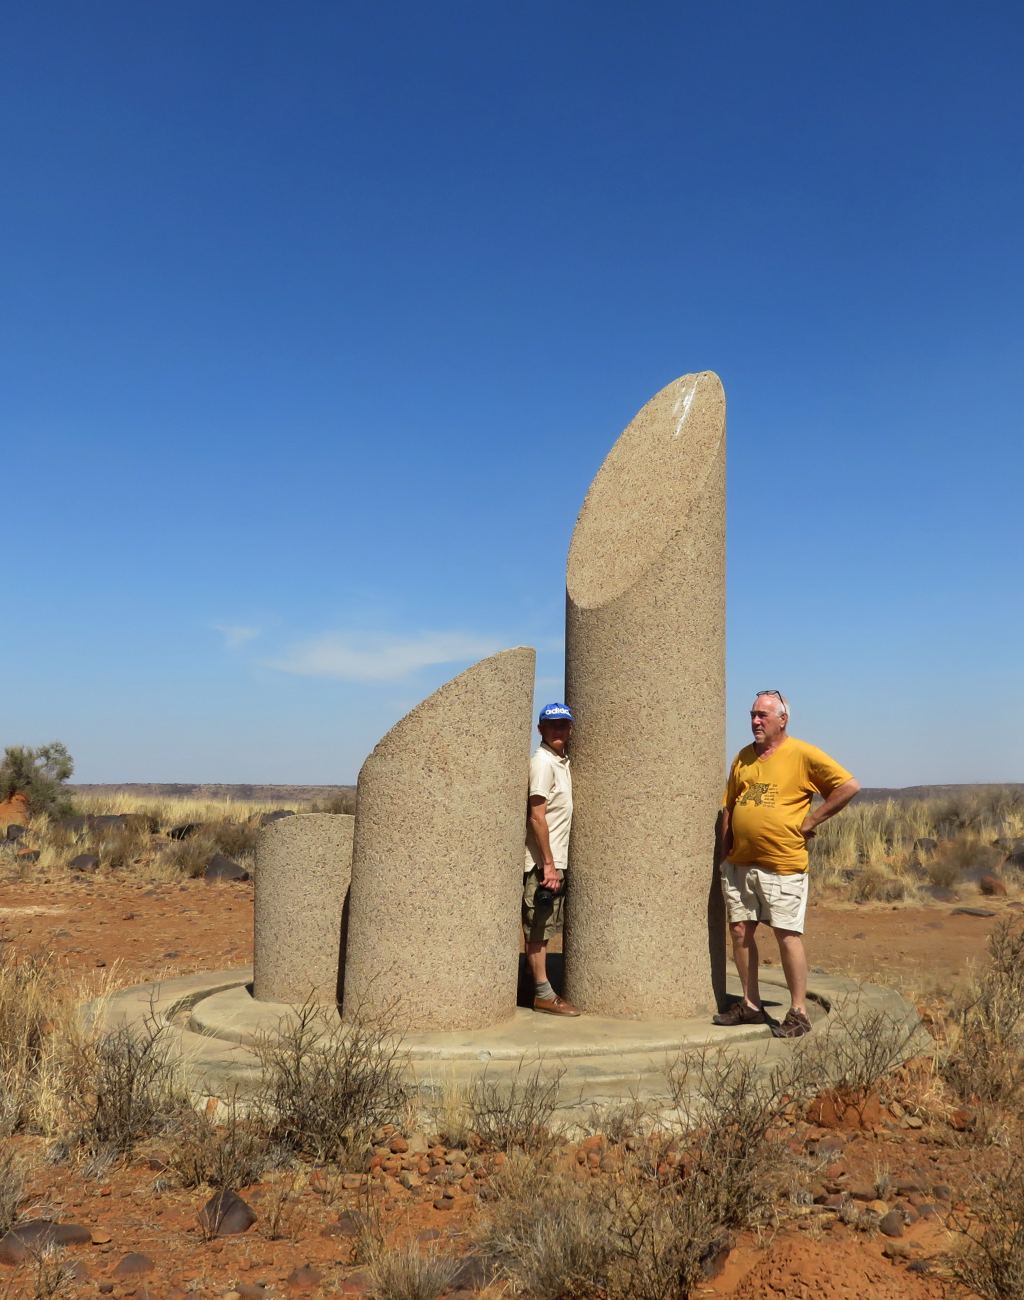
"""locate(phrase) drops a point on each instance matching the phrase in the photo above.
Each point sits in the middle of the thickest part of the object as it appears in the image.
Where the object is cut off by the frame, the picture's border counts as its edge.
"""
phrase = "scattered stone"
(942, 1192)
(992, 886)
(251, 1291)
(971, 911)
(100, 1237)
(105, 1288)
(456, 1157)
(133, 1264)
(943, 895)
(925, 844)
(304, 1278)
(1017, 907)
(891, 1224)
(183, 831)
(443, 1203)
(107, 821)
(879, 1207)
(349, 1224)
(14, 832)
(920, 1266)
(84, 862)
(356, 1284)
(473, 1274)
(398, 1146)
(221, 867)
(27, 855)
(225, 1214)
(73, 823)
(275, 816)
(409, 1180)
(913, 1121)
(897, 1249)
(35, 1234)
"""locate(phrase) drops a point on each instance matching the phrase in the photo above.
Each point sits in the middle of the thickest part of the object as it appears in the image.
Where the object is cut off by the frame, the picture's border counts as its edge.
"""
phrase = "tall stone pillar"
(645, 676)
(437, 865)
(303, 869)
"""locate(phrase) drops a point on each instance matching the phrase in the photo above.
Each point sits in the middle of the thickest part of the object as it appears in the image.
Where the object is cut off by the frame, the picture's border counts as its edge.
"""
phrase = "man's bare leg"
(744, 954)
(794, 965)
(537, 957)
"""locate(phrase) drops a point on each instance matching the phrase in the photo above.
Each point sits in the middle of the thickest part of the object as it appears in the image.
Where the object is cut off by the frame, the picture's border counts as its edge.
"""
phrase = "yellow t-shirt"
(768, 799)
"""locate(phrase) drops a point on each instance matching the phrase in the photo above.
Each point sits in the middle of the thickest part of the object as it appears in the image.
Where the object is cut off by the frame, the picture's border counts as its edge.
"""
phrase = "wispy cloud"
(369, 657)
(235, 635)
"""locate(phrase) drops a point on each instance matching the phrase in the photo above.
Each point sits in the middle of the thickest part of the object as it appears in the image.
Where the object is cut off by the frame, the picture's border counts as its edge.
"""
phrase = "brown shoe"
(555, 1006)
(795, 1025)
(740, 1014)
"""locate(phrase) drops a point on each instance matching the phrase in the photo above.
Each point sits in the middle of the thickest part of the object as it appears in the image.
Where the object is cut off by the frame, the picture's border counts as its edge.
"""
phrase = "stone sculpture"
(303, 869)
(438, 856)
(645, 674)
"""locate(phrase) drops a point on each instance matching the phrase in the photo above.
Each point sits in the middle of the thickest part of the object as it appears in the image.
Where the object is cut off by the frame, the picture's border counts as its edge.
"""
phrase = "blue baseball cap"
(556, 713)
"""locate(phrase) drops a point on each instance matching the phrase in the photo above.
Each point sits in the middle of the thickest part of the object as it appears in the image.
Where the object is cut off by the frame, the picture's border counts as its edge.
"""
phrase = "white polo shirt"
(551, 779)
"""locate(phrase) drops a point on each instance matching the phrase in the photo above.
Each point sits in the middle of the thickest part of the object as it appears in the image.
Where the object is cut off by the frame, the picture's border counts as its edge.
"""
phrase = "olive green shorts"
(541, 921)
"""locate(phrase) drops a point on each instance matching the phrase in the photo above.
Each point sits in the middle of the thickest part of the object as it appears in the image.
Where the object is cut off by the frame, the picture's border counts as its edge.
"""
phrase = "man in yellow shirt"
(767, 822)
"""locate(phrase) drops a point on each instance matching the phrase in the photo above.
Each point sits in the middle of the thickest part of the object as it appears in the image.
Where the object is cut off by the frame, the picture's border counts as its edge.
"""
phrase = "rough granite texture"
(645, 675)
(437, 866)
(303, 869)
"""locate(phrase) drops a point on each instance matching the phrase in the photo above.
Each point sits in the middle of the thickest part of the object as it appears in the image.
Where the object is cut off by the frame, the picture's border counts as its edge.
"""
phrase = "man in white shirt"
(548, 821)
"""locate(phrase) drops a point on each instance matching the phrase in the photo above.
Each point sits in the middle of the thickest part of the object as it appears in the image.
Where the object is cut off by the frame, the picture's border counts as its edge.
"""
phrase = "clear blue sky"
(318, 320)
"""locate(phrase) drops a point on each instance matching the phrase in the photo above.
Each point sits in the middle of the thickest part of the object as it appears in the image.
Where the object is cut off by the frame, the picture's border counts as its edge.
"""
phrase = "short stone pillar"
(437, 866)
(645, 676)
(303, 870)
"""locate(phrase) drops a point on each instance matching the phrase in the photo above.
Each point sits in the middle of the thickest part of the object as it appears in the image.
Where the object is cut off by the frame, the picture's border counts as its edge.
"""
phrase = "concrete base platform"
(215, 1024)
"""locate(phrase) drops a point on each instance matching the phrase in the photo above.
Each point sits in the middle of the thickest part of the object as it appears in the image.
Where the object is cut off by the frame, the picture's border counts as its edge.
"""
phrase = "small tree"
(39, 775)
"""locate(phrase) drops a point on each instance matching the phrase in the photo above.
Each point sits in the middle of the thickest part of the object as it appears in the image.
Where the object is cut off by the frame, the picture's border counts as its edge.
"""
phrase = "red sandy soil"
(133, 932)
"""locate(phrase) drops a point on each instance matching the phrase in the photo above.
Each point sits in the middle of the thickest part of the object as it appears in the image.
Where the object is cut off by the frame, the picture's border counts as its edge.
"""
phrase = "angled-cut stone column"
(303, 869)
(437, 866)
(645, 675)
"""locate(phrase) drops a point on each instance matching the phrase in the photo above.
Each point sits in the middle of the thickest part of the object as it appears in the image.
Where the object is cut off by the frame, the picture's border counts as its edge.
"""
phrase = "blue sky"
(319, 319)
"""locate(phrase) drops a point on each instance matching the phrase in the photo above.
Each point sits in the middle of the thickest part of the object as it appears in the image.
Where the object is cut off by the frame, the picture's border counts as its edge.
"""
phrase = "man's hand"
(807, 830)
(551, 879)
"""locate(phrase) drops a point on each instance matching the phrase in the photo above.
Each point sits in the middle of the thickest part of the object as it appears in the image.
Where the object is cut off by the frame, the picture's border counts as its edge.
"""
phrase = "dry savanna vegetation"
(831, 1169)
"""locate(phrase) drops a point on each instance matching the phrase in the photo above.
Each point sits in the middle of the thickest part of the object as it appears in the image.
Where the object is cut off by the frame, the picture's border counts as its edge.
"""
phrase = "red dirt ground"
(134, 932)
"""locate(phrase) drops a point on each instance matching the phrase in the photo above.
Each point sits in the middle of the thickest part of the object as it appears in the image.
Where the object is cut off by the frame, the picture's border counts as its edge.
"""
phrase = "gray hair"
(783, 707)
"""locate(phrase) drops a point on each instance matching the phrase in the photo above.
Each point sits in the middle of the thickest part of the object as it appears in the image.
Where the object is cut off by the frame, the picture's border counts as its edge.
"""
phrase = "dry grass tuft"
(984, 1060)
(12, 1189)
(543, 1235)
(122, 1086)
(990, 1264)
(406, 1273)
(36, 1011)
(327, 1087)
(232, 1155)
(516, 1114)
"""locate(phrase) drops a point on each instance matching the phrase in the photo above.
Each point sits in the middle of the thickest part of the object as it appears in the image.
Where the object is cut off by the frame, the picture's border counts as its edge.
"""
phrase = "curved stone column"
(645, 675)
(437, 866)
(303, 869)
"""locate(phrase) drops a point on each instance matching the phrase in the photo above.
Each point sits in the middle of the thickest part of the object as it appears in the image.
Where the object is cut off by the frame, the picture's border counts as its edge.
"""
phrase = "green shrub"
(38, 774)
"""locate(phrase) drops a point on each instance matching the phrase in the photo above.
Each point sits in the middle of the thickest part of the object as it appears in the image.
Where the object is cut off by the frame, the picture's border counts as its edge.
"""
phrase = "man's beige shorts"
(757, 894)
(540, 923)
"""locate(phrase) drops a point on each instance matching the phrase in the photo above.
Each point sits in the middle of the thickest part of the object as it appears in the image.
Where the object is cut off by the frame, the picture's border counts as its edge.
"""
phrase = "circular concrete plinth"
(602, 1060)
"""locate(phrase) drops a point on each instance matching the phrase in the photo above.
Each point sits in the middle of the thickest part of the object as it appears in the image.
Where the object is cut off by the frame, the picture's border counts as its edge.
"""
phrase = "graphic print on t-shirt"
(759, 793)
